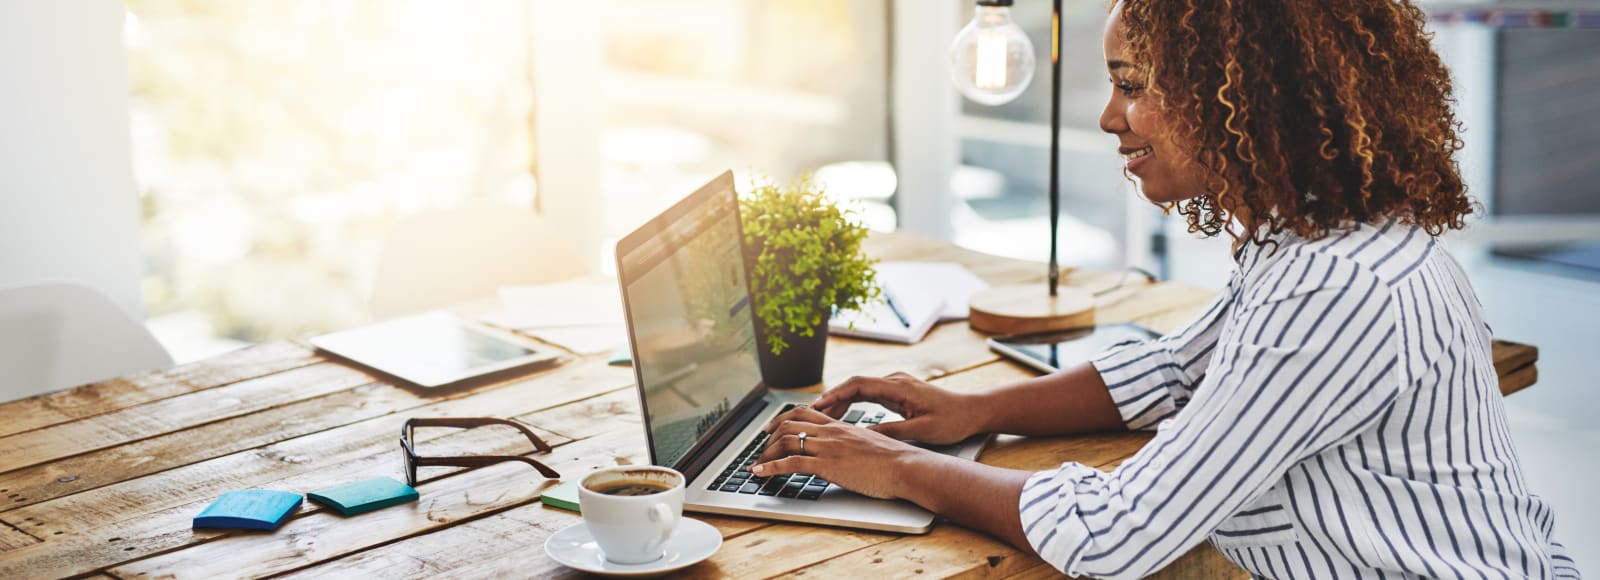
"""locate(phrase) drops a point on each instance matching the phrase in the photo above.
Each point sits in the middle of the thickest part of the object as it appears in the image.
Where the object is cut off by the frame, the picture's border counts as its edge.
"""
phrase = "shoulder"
(1347, 264)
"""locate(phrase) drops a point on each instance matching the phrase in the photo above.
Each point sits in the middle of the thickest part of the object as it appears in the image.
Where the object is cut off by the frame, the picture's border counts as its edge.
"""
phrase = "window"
(275, 143)
(778, 87)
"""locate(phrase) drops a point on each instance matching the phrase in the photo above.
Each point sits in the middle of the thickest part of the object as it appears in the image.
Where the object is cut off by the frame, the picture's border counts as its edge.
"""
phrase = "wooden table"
(103, 479)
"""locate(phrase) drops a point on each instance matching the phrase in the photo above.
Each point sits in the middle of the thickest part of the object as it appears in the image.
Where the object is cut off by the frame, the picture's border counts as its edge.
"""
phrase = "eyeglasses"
(413, 461)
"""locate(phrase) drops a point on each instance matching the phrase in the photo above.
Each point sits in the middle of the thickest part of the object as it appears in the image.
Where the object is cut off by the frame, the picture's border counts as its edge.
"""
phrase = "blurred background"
(228, 170)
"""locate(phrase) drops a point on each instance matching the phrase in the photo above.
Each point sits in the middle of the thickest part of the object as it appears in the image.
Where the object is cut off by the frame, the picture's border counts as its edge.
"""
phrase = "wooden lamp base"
(1027, 309)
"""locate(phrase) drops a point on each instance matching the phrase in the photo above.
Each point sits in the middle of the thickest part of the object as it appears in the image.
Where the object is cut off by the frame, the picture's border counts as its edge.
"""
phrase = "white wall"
(68, 206)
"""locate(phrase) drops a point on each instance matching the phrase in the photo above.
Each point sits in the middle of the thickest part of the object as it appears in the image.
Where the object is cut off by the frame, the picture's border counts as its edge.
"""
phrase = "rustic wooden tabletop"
(103, 479)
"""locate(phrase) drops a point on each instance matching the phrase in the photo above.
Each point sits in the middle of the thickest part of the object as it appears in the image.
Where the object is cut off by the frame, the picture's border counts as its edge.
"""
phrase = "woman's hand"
(932, 415)
(857, 459)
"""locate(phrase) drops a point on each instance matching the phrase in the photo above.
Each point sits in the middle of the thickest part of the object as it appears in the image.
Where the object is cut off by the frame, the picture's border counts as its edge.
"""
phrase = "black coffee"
(630, 488)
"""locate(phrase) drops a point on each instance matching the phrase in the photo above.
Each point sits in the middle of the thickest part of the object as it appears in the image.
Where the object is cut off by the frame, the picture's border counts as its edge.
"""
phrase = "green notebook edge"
(564, 496)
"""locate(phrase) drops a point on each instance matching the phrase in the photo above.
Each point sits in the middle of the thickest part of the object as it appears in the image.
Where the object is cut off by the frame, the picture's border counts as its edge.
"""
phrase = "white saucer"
(574, 547)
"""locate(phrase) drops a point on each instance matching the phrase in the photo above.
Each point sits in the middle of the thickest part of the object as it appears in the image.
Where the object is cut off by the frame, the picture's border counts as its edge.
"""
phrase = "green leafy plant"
(808, 258)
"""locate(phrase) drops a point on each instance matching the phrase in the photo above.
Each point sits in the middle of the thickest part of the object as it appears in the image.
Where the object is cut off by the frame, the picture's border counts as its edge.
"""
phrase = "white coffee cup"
(632, 529)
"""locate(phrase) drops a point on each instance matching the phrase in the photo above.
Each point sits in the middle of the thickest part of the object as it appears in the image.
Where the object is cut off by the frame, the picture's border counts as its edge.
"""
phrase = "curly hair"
(1303, 115)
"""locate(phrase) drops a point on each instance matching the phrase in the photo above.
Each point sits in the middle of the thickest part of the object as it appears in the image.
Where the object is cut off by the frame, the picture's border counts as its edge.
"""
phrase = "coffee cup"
(631, 511)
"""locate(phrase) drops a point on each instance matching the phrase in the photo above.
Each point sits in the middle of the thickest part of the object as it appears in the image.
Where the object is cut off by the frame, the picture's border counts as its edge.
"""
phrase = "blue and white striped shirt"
(1335, 413)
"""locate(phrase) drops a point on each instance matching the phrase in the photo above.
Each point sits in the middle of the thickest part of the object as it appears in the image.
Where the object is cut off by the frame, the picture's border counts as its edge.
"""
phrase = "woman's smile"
(1133, 157)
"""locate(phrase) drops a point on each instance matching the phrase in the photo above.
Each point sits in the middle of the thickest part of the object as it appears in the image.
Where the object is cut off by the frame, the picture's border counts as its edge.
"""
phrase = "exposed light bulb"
(991, 60)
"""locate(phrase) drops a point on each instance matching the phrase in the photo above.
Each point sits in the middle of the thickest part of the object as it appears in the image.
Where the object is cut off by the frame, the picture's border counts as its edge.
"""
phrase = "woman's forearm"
(1071, 401)
(978, 496)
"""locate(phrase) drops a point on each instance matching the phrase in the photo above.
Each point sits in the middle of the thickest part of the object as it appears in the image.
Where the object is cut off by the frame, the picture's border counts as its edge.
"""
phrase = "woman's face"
(1145, 144)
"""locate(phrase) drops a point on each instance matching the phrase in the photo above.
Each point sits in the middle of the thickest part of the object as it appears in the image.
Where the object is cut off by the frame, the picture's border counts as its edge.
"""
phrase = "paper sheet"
(951, 282)
(581, 316)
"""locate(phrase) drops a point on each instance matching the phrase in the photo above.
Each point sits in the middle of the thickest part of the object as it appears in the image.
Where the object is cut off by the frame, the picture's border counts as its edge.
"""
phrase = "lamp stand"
(1021, 309)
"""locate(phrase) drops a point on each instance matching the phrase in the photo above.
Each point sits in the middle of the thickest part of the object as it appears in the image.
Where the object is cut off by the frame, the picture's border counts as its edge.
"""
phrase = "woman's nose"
(1112, 119)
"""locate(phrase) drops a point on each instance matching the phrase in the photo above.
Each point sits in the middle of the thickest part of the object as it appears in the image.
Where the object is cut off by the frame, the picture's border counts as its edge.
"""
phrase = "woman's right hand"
(932, 415)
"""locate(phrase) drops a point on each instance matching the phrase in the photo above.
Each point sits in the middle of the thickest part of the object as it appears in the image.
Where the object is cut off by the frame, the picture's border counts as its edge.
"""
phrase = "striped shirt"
(1335, 413)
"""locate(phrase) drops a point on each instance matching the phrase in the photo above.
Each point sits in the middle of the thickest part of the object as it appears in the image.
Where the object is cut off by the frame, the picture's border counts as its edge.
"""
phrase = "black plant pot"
(800, 365)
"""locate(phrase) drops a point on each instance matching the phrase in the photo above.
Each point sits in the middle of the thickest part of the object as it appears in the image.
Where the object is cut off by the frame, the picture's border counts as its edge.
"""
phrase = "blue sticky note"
(251, 509)
(621, 357)
(364, 496)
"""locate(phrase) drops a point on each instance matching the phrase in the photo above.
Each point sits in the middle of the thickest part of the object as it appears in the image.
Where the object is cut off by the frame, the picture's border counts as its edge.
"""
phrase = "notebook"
(924, 293)
(893, 317)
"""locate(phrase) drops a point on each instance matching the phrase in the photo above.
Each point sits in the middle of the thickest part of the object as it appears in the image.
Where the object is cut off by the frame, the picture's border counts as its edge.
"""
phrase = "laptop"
(692, 332)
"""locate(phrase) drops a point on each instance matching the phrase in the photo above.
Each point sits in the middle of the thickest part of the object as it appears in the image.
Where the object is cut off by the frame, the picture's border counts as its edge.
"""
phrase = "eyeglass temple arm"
(486, 460)
(470, 422)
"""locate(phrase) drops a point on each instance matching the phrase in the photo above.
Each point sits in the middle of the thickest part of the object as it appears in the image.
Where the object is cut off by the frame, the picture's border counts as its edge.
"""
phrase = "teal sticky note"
(251, 509)
(564, 496)
(364, 496)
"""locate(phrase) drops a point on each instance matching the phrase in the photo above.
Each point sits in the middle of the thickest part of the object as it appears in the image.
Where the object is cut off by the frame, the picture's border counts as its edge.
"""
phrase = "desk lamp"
(991, 62)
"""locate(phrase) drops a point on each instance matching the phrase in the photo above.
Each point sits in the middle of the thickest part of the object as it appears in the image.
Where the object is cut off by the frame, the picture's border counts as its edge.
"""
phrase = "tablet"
(1049, 351)
(431, 350)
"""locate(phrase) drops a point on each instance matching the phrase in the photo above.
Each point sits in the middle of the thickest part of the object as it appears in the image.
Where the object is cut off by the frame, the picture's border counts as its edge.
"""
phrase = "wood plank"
(1201, 561)
(497, 545)
(1510, 356)
(1519, 379)
(79, 473)
(11, 538)
(986, 376)
(1042, 571)
(508, 544)
(320, 536)
(175, 413)
(1100, 450)
(780, 548)
(947, 348)
(103, 543)
(949, 550)
(314, 461)
(120, 393)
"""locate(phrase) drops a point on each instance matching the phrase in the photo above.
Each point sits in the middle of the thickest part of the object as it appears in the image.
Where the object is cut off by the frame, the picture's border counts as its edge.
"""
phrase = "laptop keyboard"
(736, 477)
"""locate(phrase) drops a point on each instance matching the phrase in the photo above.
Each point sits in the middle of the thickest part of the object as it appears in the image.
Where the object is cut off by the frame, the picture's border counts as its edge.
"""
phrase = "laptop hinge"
(712, 444)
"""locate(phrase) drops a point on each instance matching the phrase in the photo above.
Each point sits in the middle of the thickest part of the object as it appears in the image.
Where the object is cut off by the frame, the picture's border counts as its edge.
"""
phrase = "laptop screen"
(689, 316)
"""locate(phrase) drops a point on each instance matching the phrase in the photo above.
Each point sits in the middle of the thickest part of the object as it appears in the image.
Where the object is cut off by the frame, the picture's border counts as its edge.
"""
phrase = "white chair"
(444, 258)
(55, 335)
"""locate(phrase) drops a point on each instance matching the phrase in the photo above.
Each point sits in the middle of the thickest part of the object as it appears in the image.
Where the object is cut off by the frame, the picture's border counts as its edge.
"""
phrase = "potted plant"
(805, 260)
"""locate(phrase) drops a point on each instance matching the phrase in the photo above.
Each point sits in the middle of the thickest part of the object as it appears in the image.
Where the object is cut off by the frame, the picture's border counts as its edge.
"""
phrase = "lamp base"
(1028, 309)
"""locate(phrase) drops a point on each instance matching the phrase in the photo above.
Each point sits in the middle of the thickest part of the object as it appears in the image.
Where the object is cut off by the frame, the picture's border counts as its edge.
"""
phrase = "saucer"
(574, 547)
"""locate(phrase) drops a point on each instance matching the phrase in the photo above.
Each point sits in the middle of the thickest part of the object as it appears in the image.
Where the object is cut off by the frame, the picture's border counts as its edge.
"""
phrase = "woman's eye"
(1128, 89)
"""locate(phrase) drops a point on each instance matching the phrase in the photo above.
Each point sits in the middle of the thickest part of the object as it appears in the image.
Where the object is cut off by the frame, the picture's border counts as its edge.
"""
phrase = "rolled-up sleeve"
(1296, 371)
(1150, 380)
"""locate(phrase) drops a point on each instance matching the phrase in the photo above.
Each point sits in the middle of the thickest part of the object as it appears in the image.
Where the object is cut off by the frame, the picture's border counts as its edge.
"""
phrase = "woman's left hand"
(858, 459)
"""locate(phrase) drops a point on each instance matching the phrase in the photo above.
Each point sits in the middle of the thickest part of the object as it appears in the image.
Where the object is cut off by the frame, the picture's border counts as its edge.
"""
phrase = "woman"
(1336, 412)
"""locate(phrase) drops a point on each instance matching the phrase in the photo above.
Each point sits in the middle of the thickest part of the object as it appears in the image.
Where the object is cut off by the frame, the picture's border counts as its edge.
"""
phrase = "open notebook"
(925, 293)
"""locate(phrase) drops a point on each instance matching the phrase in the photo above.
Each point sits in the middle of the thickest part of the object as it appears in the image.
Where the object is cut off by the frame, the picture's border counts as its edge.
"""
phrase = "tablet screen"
(1050, 351)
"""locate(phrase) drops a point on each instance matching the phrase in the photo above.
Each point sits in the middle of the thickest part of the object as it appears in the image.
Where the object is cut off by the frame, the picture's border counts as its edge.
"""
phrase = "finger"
(780, 418)
(801, 417)
(789, 446)
(858, 389)
(837, 400)
(778, 446)
(791, 464)
(900, 429)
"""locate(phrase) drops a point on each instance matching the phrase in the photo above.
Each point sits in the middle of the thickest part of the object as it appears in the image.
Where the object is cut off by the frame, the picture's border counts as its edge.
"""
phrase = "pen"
(895, 308)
